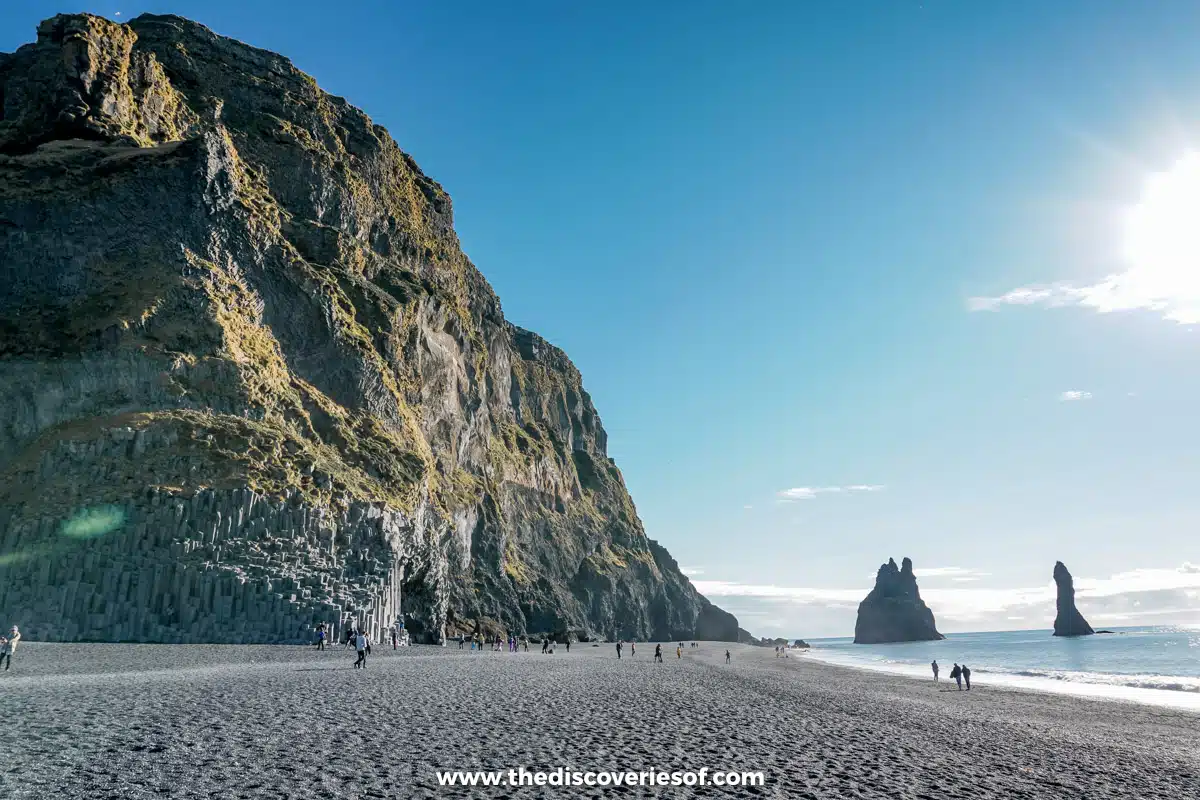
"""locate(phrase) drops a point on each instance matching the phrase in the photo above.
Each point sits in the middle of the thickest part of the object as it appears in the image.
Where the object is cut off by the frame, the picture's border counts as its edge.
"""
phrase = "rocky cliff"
(1068, 621)
(894, 610)
(249, 381)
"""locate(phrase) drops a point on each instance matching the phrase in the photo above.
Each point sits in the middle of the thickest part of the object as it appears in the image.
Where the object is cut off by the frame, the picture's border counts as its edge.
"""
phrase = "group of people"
(8, 646)
(358, 638)
(960, 674)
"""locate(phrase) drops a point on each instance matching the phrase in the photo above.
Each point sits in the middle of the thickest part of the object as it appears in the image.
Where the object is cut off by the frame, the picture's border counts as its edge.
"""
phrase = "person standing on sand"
(679, 651)
(618, 651)
(360, 644)
(568, 644)
(935, 671)
(632, 649)
(321, 636)
(658, 653)
(956, 674)
(966, 673)
(8, 646)
(726, 656)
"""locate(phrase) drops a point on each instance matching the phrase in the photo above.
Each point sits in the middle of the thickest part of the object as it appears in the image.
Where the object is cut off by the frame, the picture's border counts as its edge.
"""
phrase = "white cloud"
(1165, 595)
(948, 572)
(809, 492)
(747, 507)
(690, 571)
(1074, 394)
(1161, 250)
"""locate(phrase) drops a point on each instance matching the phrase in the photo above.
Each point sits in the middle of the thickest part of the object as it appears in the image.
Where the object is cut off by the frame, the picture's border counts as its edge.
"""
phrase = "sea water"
(1158, 665)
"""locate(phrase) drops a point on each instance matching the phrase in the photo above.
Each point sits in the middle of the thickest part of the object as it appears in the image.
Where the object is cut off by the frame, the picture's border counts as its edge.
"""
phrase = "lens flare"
(93, 522)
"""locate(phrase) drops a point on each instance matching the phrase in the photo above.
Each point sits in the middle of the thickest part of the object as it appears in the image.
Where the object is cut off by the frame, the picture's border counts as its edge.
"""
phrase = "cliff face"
(1068, 621)
(249, 381)
(894, 610)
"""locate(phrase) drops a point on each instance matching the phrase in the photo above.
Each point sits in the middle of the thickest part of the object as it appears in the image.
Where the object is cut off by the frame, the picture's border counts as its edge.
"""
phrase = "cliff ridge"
(249, 381)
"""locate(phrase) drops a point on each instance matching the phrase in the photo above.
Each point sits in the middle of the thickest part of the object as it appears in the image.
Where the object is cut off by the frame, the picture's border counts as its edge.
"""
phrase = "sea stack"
(894, 610)
(1069, 621)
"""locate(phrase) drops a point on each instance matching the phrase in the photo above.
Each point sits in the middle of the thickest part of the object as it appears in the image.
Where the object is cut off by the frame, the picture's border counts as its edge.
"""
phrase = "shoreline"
(1174, 699)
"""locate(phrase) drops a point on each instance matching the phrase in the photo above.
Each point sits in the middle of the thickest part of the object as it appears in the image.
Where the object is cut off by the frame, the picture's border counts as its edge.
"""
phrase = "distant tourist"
(9, 646)
(658, 653)
(568, 644)
(679, 651)
(956, 674)
(395, 637)
(460, 641)
(321, 636)
(361, 644)
(618, 651)
(966, 673)
(545, 645)
(632, 649)
(726, 656)
(935, 671)
(777, 651)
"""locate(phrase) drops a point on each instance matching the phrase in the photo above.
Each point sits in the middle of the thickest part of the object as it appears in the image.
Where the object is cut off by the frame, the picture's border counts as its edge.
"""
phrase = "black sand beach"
(141, 721)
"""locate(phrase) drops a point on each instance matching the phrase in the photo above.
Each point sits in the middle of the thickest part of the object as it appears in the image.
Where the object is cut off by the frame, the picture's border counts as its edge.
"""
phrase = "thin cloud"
(747, 507)
(1160, 247)
(691, 571)
(810, 492)
(1074, 394)
(948, 572)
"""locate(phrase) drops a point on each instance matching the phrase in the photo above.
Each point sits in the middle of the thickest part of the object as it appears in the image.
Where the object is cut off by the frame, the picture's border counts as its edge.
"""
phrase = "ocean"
(1158, 665)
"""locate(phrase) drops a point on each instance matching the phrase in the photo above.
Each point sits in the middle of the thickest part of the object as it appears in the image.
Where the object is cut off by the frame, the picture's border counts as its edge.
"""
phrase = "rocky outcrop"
(894, 610)
(1068, 621)
(249, 382)
(800, 643)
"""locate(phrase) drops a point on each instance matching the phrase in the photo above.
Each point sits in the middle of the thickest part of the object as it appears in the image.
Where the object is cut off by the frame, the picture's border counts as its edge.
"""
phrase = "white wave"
(1160, 690)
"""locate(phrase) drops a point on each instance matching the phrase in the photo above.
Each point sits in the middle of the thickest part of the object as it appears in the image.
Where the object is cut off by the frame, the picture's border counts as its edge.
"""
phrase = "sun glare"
(1162, 241)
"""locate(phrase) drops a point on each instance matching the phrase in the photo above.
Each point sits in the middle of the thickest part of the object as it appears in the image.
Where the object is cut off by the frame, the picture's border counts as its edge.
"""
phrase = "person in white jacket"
(9, 647)
(360, 644)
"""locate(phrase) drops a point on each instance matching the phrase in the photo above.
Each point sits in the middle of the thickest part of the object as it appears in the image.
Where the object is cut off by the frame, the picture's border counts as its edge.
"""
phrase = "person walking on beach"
(321, 636)
(966, 673)
(935, 671)
(632, 649)
(360, 644)
(679, 651)
(545, 645)
(956, 674)
(618, 651)
(658, 653)
(568, 644)
(726, 656)
(9, 647)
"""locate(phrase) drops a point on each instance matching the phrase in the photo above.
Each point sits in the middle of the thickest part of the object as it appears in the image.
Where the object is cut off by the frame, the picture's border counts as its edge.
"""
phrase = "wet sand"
(187, 721)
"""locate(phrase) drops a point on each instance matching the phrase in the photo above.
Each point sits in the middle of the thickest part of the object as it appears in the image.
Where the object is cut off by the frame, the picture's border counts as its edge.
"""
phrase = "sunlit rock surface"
(249, 382)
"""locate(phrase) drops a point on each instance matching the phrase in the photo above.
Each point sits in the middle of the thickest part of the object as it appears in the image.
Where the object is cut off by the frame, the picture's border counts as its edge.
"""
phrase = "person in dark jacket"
(956, 674)
(966, 673)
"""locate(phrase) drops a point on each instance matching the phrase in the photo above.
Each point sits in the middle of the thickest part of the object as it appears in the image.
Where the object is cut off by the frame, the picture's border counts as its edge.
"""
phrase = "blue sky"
(792, 248)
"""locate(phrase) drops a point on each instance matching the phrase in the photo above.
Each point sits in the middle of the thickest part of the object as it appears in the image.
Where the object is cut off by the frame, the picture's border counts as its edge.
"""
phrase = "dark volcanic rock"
(894, 611)
(249, 381)
(1068, 621)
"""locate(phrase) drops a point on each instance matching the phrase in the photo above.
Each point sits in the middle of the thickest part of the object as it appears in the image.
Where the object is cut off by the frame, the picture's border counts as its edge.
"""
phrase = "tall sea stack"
(1068, 621)
(249, 382)
(894, 610)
